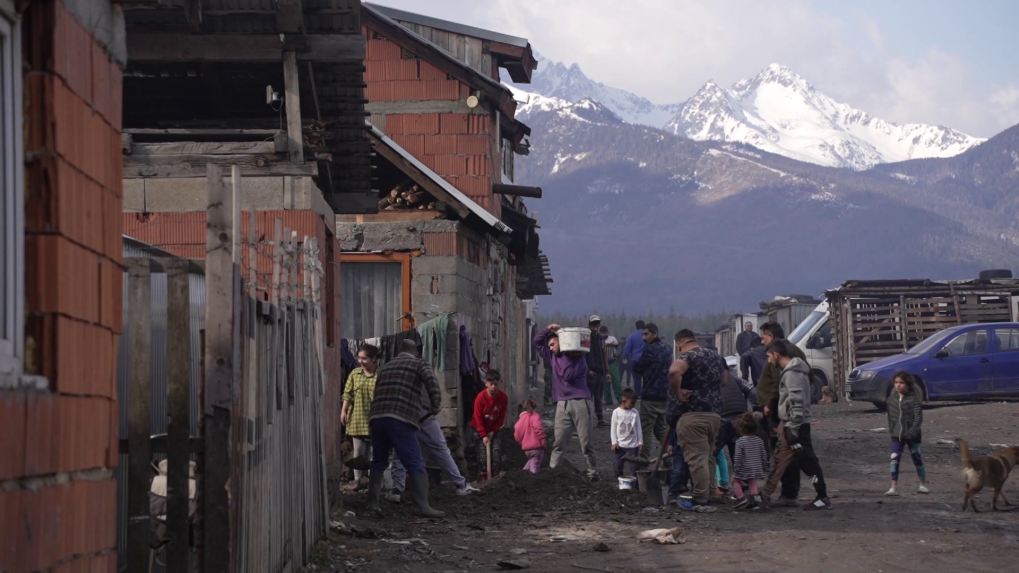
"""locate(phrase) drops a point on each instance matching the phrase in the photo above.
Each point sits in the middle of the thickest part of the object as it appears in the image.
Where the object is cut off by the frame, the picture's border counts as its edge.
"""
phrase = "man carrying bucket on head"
(573, 410)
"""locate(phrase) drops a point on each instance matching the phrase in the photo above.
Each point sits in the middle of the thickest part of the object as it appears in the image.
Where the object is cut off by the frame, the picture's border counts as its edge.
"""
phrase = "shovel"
(652, 486)
(488, 446)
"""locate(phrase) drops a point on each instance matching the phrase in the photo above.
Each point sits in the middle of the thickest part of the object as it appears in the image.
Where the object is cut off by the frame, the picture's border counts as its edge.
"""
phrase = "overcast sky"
(933, 61)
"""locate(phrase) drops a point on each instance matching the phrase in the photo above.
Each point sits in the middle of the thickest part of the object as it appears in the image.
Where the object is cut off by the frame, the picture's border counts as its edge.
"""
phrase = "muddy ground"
(516, 517)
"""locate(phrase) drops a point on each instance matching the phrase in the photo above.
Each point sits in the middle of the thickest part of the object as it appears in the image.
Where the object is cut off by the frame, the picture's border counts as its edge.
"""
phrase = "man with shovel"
(573, 409)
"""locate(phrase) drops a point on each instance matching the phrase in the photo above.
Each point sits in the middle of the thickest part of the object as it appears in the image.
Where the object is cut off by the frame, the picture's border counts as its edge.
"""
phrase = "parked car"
(971, 361)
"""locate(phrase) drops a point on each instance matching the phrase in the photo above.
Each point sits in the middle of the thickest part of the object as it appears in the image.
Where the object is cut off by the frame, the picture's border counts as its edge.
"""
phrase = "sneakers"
(467, 490)
(394, 496)
(690, 505)
(749, 503)
(923, 489)
(817, 504)
(892, 491)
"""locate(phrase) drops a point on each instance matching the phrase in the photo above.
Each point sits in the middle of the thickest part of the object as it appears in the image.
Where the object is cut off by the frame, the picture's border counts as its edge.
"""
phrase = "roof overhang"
(436, 185)
(496, 93)
(511, 52)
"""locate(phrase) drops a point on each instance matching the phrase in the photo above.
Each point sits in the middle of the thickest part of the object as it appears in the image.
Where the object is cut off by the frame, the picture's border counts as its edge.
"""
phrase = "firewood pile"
(407, 196)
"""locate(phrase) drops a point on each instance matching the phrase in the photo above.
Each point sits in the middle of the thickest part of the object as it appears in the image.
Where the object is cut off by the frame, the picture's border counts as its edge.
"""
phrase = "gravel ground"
(553, 521)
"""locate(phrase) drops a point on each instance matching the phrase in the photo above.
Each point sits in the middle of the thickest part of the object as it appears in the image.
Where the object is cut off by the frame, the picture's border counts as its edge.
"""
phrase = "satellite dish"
(472, 101)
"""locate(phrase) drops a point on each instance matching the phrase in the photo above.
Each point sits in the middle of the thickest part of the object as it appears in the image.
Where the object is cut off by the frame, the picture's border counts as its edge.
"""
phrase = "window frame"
(999, 347)
(405, 277)
(11, 197)
(970, 333)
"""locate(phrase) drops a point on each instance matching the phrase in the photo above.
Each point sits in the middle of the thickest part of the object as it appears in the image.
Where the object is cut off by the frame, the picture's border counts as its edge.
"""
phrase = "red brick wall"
(457, 146)
(183, 234)
(56, 446)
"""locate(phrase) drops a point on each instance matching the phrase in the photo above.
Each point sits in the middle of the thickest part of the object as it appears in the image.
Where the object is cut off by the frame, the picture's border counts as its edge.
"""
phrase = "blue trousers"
(680, 473)
(390, 434)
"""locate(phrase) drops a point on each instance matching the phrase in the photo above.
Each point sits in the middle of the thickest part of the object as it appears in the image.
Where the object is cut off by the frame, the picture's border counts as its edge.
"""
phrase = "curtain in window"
(372, 295)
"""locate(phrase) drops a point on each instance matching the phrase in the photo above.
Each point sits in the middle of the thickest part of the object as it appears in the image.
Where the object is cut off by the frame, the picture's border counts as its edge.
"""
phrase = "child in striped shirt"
(751, 463)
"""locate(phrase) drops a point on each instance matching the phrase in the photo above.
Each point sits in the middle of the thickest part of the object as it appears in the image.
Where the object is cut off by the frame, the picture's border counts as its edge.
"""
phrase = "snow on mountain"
(780, 112)
(777, 111)
(585, 109)
(556, 80)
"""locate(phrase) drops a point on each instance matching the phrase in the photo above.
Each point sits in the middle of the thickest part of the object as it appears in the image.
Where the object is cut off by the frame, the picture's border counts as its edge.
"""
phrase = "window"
(375, 295)
(1008, 339)
(972, 342)
(11, 193)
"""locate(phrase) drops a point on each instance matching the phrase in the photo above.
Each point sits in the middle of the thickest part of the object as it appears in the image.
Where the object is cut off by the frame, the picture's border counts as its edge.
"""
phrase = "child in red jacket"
(530, 434)
(489, 416)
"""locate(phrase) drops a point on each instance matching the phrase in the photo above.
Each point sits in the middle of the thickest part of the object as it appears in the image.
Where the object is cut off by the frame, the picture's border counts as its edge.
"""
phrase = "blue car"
(971, 361)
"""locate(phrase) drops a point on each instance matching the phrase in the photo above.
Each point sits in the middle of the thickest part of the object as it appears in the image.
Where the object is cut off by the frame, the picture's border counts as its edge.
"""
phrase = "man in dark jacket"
(632, 351)
(753, 361)
(653, 367)
(597, 368)
(745, 340)
(767, 395)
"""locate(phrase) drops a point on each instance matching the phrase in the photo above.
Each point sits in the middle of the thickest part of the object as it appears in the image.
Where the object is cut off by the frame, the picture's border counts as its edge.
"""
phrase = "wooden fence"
(876, 319)
(259, 447)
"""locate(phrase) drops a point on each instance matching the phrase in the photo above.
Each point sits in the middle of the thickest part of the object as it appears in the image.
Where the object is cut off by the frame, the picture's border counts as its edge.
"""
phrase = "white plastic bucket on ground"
(628, 483)
(574, 339)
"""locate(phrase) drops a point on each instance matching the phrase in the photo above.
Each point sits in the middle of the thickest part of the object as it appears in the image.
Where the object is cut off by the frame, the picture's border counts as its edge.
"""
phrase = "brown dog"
(828, 396)
(991, 470)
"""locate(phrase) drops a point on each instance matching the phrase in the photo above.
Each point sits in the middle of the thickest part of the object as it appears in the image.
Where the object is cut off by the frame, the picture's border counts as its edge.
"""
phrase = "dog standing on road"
(991, 471)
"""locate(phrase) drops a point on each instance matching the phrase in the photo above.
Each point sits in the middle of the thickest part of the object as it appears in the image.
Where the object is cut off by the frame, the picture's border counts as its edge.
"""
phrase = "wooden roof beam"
(517, 190)
(244, 48)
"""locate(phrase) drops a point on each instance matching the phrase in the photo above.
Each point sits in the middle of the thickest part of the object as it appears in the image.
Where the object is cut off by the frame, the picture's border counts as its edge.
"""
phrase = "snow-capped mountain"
(780, 112)
(585, 109)
(556, 80)
(777, 111)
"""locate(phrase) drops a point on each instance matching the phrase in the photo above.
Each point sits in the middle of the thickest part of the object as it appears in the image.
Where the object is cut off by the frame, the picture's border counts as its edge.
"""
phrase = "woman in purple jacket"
(573, 409)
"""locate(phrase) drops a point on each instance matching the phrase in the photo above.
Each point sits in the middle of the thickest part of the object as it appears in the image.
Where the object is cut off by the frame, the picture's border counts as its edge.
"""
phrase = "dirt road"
(516, 517)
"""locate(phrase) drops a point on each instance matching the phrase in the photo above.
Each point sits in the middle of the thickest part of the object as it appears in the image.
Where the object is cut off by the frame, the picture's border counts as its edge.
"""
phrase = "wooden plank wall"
(871, 326)
(467, 49)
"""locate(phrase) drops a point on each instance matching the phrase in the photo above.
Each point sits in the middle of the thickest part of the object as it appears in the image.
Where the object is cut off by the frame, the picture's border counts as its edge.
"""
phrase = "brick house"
(61, 67)
(196, 93)
(444, 134)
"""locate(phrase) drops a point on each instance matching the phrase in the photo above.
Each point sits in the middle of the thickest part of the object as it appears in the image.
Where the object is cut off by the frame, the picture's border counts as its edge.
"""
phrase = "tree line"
(621, 324)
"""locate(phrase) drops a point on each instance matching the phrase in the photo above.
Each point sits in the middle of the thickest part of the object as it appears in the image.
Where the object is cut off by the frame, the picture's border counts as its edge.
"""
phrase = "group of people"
(390, 414)
(690, 403)
(694, 403)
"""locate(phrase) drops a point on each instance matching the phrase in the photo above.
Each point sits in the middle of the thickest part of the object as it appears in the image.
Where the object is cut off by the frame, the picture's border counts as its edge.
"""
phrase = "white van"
(814, 337)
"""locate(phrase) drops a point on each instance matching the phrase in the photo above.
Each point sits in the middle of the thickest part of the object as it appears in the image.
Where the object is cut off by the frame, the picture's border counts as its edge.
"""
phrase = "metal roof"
(464, 200)
(448, 26)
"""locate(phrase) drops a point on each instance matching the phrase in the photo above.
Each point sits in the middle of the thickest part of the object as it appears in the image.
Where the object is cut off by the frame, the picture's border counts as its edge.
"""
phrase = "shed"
(876, 319)
(789, 310)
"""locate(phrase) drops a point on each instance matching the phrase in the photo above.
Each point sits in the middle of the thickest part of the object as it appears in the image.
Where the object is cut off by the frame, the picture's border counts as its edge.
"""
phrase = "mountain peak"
(781, 75)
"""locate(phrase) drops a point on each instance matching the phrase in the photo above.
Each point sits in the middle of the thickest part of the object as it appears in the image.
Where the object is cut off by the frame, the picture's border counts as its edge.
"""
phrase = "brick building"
(61, 67)
(196, 93)
(444, 134)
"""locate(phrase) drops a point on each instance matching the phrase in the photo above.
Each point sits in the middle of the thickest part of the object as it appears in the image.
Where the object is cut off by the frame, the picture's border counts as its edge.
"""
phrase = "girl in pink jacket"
(530, 434)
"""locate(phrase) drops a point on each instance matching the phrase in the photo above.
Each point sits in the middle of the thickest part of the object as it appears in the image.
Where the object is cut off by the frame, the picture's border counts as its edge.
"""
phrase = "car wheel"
(925, 397)
(881, 406)
(818, 381)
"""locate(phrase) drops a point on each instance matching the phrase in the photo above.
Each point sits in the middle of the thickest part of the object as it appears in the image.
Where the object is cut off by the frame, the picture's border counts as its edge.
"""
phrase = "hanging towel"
(467, 363)
(433, 339)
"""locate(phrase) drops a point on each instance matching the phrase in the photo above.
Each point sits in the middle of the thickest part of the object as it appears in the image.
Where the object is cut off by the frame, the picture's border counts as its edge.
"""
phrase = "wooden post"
(293, 103)
(178, 401)
(219, 372)
(277, 254)
(139, 403)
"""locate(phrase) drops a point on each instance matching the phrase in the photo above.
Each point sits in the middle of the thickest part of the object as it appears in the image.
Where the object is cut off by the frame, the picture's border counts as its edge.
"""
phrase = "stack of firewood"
(406, 196)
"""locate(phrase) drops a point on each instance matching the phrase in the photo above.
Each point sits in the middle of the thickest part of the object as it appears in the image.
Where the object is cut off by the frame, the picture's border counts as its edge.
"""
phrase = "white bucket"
(628, 483)
(574, 339)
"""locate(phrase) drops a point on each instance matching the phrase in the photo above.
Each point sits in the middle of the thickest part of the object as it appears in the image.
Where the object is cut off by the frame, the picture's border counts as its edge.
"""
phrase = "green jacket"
(767, 388)
(905, 416)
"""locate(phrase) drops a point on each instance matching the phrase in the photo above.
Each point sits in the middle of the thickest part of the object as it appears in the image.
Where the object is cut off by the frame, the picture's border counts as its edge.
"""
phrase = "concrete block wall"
(58, 431)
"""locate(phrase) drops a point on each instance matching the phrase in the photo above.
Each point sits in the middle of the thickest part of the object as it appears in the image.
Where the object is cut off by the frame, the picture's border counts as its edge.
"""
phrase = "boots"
(417, 487)
(375, 480)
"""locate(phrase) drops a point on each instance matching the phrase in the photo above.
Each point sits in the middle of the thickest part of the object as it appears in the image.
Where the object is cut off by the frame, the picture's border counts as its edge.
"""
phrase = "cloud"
(666, 49)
